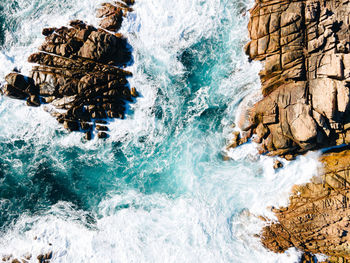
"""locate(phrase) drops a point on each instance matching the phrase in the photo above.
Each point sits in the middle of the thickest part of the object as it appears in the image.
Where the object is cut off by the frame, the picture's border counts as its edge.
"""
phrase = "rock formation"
(305, 50)
(317, 219)
(304, 46)
(79, 72)
(42, 258)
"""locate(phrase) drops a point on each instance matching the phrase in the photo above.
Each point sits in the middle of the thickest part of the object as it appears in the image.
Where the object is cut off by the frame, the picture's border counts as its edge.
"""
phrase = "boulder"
(78, 71)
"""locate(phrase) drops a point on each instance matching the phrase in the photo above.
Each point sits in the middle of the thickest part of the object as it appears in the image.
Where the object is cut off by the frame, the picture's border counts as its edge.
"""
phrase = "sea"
(161, 188)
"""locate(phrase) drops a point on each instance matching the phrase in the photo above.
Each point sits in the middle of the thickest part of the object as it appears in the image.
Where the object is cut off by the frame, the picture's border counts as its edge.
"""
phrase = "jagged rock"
(102, 135)
(277, 164)
(33, 101)
(317, 218)
(134, 93)
(71, 125)
(13, 92)
(101, 128)
(78, 71)
(305, 47)
(88, 135)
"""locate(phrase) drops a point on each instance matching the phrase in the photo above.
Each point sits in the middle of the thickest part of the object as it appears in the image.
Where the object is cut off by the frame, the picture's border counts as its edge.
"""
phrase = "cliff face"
(305, 49)
(304, 46)
(317, 219)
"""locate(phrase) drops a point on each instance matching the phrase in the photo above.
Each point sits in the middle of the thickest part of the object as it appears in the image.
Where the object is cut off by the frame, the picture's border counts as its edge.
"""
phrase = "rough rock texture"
(42, 258)
(79, 72)
(304, 46)
(317, 219)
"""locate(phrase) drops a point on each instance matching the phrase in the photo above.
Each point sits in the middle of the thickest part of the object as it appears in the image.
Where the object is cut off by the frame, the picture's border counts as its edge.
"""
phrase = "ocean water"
(158, 190)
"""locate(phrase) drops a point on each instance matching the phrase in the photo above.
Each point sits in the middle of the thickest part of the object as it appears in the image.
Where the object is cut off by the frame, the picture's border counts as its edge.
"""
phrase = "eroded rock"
(304, 46)
(79, 70)
(317, 218)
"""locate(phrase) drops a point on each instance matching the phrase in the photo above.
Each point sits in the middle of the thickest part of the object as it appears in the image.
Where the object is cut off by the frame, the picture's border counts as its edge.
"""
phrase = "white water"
(181, 202)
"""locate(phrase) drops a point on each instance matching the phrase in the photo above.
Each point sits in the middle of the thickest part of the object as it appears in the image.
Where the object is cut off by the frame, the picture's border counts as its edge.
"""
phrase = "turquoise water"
(158, 190)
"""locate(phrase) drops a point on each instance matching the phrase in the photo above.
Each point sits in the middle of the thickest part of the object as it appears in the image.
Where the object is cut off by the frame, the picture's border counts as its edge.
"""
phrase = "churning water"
(158, 190)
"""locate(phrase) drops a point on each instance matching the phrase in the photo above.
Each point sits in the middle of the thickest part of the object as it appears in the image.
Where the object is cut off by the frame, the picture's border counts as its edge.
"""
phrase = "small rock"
(48, 31)
(101, 128)
(86, 126)
(48, 255)
(289, 157)
(134, 93)
(71, 125)
(225, 157)
(102, 135)
(27, 256)
(40, 258)
(129, 2)
(19, 81)
(49, 99)
(33, 101)
(277, 165)
(13, 92)
(88, 135)
(6, 257)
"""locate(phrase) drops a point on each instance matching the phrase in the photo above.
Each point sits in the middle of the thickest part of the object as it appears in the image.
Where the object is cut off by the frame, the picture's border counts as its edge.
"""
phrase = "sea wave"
(158, 190)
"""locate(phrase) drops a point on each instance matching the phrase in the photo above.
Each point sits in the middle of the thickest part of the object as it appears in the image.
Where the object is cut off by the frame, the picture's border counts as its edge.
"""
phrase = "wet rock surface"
(42, 258)
(304, 47)
(317, 219)
(79, 72)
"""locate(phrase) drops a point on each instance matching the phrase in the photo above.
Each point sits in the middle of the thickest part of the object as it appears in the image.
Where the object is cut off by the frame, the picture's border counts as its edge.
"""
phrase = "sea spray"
(158, 189)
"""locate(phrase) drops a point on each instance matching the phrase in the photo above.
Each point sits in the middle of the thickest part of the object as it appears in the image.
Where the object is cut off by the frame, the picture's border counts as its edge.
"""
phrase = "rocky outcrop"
(317, 219)
(304, 47)
(79, 72)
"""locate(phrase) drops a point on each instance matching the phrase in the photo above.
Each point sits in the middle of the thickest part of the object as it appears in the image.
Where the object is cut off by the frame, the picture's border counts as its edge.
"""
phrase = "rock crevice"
(79, 71)
(304, 47)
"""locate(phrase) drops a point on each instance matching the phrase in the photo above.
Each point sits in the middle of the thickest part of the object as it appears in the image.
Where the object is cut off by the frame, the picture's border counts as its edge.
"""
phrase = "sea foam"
(157, 190)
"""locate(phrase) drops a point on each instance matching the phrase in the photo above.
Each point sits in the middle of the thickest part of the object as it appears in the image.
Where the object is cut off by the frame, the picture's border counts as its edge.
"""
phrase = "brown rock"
(101, 128)
(129, 2)
(48, 31)
(316, 220)
(78, 71)
(134, 93)
(88, 135)
(33, 101)
(277, 164)
(306, 96)
(71, 125)
(102, 135)
(13, 92)
(304, 46)
(48, 255)
(85, 126)
(19, 81)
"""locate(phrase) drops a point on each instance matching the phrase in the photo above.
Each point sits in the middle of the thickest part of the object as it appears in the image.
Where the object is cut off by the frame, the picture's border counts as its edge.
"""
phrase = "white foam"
(207, 219)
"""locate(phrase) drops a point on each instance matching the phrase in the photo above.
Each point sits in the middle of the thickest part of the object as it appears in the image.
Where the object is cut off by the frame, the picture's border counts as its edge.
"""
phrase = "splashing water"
(158, 189)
